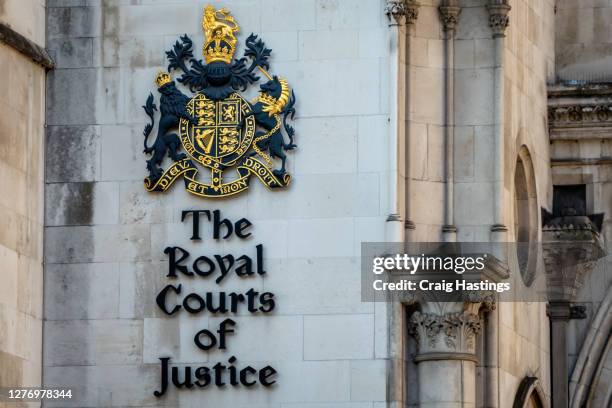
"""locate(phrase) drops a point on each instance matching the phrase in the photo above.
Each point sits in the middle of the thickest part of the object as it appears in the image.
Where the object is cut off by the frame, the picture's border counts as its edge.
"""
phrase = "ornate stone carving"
(412, 11)
(399, 11)
(453, 332)
(449, 16)
(498, 18)
(580, 114)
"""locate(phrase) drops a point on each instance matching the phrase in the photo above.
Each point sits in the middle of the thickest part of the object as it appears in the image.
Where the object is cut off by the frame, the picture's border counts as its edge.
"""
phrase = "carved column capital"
(449, 16)
(449, 333)
(446, 334)
(498, 18)
(400, 11)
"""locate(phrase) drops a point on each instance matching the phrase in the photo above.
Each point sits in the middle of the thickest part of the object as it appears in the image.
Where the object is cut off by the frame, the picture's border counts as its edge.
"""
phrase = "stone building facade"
(23, 63)
(428, 121)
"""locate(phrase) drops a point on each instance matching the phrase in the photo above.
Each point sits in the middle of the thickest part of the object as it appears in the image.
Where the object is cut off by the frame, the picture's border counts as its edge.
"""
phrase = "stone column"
(559, 315)
(395, 12)
(498, 21)
(571, 246)
(449, 14)
(446, 335)
(402, 15)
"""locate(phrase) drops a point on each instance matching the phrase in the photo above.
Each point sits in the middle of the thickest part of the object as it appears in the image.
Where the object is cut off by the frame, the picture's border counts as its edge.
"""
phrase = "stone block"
(10, 265)
(320, 237)
(381, 330)
(82, 291)
(326, 145)
(30, 287)
(284, 44)
(464, 153)
(427, 200)
(102, 243)
(436, 54)
(93, 342)
(110, 99)
(121, 153)
(430, 391)
(418, 52)
(473, 203)
(353, 86)
(16, 190)
(139, 83)
(73, 153)
(432, 29)
(282, 336)
(430, 82)
(464, 53)
(130, 51)
(158, 19)
(288, 15)
(436, 153)
(477, 87)
(12, 370)
(418, 151)
(484, 148)
(161, 339)
(333, 280)
(349, 14)
(334, 196)
(484, 52)
(339, 337)
(65, 22)
(106, 386)
(73, 96)
(81, 203)
(372, 143)
(71, 52)
(138, 206)
(328, 383)
(473, 23)
(373, 43)
(369, 229)
(139, 283)
(368, 380)
(13, 136)
(322, 45)
(13, 236)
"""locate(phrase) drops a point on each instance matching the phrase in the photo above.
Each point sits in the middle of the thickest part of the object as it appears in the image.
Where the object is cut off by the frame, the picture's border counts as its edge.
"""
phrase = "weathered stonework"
(23, 62)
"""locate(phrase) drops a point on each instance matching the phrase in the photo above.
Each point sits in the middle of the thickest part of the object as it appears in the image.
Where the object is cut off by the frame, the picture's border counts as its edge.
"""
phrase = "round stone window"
(525, 216)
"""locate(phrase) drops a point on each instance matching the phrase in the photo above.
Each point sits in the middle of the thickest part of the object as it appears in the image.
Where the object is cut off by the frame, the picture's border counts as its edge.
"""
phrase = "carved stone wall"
(581, 154)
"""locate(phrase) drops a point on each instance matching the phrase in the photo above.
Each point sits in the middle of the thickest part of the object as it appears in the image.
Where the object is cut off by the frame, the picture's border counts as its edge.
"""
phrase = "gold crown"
(219, 29)
(162, 79)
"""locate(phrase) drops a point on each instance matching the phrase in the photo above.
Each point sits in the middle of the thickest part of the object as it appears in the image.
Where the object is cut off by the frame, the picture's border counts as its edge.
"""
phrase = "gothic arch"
(588, 384)
(530, 394)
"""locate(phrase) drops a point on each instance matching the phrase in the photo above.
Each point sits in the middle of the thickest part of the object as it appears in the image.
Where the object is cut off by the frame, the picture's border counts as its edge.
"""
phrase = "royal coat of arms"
(217, 127)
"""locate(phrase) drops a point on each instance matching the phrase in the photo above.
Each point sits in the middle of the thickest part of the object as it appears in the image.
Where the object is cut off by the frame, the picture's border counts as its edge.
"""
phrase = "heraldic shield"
(218, 128)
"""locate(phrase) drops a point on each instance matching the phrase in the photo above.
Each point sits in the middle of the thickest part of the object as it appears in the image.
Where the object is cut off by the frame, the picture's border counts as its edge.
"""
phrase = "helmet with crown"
(219, 28)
